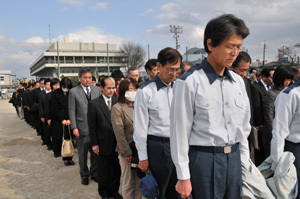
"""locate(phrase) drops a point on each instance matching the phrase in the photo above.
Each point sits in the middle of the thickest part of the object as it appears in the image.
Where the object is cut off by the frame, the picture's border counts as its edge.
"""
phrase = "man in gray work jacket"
(210, 117)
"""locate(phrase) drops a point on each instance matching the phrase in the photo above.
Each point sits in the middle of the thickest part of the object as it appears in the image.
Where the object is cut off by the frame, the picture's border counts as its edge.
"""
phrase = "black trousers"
(162, 166)
(47, 133)
(109, 174)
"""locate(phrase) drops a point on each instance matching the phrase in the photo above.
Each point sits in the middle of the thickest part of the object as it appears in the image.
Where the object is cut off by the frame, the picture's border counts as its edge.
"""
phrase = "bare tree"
(134, 54)
(289, 51)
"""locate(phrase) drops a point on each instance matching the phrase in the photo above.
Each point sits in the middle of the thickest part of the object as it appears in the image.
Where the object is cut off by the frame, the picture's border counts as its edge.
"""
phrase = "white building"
(7, 83)
(100, 58)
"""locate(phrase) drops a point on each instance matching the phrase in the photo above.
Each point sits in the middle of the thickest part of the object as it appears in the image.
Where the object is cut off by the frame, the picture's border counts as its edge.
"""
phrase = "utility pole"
(264, 52)
(58, 67)
(49, 35)
(176, 30)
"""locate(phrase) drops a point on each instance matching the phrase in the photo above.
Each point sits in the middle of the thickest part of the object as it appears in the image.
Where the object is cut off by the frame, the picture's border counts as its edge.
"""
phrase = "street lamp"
(176, 30)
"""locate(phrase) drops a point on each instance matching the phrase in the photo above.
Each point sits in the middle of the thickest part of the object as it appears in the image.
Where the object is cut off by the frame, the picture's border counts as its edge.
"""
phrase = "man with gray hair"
(78, 100)
(133, 72)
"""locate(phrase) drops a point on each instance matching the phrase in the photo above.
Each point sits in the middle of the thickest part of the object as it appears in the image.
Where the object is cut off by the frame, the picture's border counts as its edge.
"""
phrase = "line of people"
(190, 133)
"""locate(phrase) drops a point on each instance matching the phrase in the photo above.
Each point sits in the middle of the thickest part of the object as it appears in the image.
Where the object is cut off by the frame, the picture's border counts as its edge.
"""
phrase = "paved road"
(28, 170)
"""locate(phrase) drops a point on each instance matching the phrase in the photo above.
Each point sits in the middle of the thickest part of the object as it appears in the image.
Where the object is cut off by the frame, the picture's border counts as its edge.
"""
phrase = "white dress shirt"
(207, 110)
(151, 113)
(286, 124)
(106, 99)
(84, 88)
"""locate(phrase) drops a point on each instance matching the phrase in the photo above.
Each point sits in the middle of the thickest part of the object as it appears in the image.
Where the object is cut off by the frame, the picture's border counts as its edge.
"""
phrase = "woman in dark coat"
(282, 78)
(60, 118)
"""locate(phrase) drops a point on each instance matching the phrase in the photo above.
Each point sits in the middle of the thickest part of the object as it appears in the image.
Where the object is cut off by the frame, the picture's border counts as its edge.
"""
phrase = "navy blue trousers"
(162, 166)
(215, 175)
(295, 149)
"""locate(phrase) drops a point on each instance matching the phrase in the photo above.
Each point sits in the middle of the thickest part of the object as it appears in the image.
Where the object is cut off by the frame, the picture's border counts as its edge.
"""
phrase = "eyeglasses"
(234, 48)
(172, 70)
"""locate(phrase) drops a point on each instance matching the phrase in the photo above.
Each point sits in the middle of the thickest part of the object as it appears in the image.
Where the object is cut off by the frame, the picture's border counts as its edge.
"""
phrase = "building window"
(102, 70)
(2, 78)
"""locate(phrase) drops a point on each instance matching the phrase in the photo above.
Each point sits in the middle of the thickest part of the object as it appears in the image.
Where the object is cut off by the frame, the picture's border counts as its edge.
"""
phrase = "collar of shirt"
(84, 88)
(106, 99)
(265, 85)
(212, 75)
(48, 91)
(160, 83)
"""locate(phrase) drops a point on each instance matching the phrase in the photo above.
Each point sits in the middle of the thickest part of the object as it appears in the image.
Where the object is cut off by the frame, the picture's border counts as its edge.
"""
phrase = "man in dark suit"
(258, 91)
(79, 97)
(42, 110)
(103, 140)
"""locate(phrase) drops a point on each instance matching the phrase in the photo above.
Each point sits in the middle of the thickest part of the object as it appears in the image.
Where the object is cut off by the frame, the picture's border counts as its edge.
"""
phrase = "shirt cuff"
(143, 155)
(274, 166)
(183, 173)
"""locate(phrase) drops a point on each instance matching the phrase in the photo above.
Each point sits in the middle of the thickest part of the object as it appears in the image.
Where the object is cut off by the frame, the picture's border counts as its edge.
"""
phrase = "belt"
(216, 149)
(157, 138)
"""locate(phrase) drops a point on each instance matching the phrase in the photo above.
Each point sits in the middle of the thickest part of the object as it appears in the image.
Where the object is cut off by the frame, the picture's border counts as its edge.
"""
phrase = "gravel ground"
(28, 170)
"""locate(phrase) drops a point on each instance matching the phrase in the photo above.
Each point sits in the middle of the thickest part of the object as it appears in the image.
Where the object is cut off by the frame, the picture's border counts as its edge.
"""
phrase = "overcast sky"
(24, 27)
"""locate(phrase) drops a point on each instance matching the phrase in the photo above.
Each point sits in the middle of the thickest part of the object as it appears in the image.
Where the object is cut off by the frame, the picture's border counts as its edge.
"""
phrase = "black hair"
(102, 81)
(295, 70)
(220, 28)
(169, 55)
(123, 87)
(42, 79)
(93, 78)
(150, 64)
(266, 72)
(99, 78)
(47, 80)
(54, 81)
(281, 74)
(84, 70)
(252, 69)
(242, 56)
(117, 74)
(66, 83)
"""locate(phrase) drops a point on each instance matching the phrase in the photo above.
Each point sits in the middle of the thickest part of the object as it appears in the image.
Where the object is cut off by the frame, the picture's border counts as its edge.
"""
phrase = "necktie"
(88, 94)
(109, 104)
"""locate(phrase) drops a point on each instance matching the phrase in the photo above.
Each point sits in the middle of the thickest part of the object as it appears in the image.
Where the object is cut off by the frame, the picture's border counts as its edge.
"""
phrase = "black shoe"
(56, 155)
(94, 178)
(43, 143)
(116, 196)
(71, 162)
(85, 181)
(49, 147)
(66, 162)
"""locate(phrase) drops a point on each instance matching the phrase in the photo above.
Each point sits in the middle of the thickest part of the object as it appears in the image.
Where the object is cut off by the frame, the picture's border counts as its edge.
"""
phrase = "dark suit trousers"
(295, 149)
(47, 133)
(259, 155)
(83, 147)
(109, 174)
(162, 166)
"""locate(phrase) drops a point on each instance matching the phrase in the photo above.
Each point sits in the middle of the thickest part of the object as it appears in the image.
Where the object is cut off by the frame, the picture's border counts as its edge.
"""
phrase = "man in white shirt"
(152, 123)
(286, 131)
(210, 117)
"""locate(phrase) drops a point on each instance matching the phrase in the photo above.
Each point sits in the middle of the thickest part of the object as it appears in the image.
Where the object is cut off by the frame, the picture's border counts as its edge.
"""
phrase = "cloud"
(17, 56)
(75, 3)
(275, 21)
(92, 34)
(100, 6)
(147, 12)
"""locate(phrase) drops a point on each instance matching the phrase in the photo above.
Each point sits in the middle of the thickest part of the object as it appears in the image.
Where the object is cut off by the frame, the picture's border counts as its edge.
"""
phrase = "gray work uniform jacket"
(284, 182)
(254, 184)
